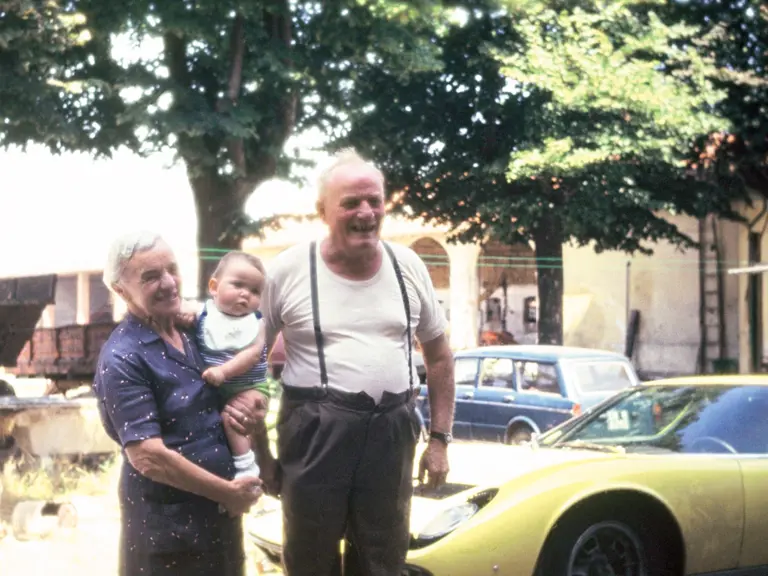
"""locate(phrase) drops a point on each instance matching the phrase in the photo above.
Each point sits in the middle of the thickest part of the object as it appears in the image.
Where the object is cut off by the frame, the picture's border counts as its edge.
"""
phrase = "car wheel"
(517, 434)
(595, 542)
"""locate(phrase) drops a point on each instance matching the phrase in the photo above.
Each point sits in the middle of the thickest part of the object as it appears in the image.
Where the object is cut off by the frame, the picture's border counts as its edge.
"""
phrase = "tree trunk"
(218, 206)
(548, 238)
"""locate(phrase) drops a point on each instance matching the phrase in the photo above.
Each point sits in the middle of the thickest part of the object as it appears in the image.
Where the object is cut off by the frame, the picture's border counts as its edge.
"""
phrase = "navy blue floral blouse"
(149, 389)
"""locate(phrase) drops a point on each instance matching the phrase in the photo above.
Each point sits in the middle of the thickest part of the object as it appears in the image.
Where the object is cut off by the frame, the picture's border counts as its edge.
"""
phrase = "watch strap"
(442, 436)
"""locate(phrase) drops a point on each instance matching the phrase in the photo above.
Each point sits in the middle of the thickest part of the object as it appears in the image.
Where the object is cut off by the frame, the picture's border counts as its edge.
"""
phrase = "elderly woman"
(177, 475)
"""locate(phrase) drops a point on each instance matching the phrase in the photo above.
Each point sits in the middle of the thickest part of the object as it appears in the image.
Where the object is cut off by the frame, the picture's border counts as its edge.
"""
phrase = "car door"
(747, 433)
(540, 397)
(465, 377)
(494, 399)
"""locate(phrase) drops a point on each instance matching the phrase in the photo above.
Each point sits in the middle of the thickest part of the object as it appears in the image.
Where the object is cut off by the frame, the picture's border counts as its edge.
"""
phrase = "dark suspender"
(316, 313)
(407, 306)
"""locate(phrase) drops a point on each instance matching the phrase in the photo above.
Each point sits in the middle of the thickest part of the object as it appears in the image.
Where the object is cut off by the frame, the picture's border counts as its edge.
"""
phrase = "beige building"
(673, 292)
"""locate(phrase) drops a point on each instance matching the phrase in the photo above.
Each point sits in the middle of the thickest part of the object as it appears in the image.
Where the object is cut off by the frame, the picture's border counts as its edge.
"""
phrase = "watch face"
(445, 437)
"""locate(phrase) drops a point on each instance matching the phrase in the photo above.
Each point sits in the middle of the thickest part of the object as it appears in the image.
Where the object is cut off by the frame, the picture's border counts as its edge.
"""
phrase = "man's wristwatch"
(444, 437)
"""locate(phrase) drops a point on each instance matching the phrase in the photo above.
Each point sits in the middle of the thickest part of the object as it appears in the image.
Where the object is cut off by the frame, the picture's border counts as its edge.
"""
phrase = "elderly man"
(348, 308)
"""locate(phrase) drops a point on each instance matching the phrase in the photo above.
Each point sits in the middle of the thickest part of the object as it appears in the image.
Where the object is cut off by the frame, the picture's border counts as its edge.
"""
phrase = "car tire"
(640, 537)
(517, 434)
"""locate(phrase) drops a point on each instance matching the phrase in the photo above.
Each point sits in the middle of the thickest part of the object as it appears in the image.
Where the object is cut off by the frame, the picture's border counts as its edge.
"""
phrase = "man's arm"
(438, 360)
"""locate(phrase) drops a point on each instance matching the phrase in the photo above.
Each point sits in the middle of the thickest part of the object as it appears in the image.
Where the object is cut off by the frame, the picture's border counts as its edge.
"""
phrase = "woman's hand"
(246, 411)
(187, 316)
(243, 493)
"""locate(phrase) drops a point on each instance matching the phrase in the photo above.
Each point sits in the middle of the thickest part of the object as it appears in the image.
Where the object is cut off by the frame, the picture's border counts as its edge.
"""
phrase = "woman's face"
(150, 284)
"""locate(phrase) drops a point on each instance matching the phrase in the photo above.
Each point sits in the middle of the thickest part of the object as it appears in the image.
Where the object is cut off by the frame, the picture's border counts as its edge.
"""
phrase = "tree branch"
(282, 31)
(235, 146)
(176, 60)
(277, 22)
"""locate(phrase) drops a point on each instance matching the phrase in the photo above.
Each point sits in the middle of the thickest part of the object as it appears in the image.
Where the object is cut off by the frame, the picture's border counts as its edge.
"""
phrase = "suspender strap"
(407, 306)
(316, 314)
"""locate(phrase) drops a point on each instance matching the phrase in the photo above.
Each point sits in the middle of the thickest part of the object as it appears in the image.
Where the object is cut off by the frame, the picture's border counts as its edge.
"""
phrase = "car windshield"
(601, 376)
(684, 419)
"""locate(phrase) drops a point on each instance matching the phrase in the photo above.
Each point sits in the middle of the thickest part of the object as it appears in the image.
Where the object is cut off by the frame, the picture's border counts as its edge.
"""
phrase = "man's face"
(353, 208)
(150, 283)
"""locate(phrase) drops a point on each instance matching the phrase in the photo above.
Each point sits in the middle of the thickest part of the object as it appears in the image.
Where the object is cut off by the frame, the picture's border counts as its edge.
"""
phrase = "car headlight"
(448, 520)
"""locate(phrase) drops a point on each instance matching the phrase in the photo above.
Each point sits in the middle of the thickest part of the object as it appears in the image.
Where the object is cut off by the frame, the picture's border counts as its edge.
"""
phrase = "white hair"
(343, 157)
(123, 249)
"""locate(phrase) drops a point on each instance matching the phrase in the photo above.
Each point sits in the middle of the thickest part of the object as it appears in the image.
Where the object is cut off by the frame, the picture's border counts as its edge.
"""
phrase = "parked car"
(510, 392)
(663, 479)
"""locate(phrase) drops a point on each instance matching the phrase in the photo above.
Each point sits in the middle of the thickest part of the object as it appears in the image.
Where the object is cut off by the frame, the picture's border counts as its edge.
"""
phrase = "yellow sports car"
(668, 478)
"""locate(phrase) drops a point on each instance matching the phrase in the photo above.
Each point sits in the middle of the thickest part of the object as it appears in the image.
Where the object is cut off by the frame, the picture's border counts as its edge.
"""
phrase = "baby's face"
(237, 291)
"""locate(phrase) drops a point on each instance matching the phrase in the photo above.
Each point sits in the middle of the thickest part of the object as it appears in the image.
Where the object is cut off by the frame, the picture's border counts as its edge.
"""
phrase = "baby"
(231, 339)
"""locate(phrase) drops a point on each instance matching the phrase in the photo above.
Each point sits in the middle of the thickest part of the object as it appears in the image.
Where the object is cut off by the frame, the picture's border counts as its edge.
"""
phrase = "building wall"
(756, 215)
(65, 308)
(664, 287)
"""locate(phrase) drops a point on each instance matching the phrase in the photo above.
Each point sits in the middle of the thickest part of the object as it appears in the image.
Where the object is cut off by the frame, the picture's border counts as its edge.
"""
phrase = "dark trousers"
(347, 473)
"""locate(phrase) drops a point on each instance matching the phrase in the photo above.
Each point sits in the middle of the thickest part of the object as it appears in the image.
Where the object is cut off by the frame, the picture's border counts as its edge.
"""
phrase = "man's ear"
(320, 207)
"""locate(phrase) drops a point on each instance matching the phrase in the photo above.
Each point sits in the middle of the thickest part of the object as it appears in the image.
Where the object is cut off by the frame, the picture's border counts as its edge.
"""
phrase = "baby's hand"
(214, 376)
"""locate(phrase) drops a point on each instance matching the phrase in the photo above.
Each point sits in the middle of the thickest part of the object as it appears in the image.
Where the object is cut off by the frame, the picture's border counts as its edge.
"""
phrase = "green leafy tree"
(224, 83)
(548, 123)
(735, 34)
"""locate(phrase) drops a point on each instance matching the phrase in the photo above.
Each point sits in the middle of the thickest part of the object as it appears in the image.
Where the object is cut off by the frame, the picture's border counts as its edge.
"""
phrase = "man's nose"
(365, 210)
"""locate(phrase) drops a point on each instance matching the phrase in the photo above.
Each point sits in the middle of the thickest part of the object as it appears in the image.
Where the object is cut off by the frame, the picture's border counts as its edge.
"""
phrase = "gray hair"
(341, 158)
(123, 249)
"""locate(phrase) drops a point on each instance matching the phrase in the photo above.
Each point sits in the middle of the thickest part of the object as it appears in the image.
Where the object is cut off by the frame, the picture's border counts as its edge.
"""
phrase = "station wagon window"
(538, 377)
(497, 373)
(602, 376)
(465, 371)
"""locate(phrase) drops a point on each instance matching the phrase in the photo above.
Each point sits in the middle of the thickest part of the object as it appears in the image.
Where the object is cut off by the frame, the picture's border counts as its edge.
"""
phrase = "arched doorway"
(507, 283)
(436, 258)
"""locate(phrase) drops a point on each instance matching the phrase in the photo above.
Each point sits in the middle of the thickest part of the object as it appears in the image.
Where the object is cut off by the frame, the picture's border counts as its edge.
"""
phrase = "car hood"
(474, 467)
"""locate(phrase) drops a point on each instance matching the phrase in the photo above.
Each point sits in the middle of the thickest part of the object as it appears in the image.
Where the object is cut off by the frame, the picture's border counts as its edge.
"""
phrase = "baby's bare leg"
(240, 445)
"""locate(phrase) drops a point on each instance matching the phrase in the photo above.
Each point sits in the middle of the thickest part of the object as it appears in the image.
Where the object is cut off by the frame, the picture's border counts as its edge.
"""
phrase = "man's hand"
(246, 411)
(434, 464)
(214, 376)
(269, 474)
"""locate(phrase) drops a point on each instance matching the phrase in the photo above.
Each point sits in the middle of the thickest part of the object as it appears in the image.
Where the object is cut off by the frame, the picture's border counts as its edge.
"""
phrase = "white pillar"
(464, 292)
(48, 317)
(83, 315)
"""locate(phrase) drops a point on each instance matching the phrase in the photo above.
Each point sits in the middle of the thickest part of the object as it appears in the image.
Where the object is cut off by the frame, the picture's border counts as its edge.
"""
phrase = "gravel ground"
(91, 548)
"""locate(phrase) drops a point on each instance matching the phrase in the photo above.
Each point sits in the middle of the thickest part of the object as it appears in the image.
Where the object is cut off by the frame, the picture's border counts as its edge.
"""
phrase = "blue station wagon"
(508, 393)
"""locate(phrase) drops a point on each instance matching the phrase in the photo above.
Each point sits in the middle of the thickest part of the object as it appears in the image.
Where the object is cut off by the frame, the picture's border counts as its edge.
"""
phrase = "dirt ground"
(90, 548)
